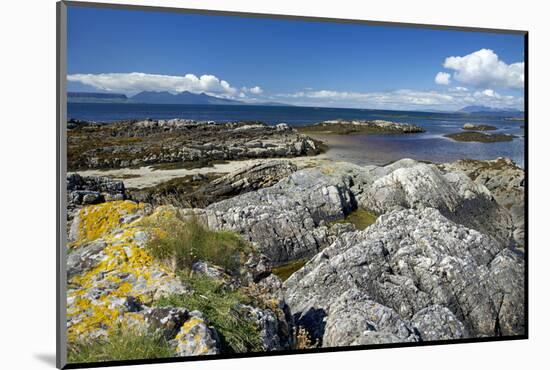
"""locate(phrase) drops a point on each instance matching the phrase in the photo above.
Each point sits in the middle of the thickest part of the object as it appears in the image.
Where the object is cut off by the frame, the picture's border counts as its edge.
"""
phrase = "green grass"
(284, 271)
(360, 218)
(121, 344)
(220, 305)
(181, 243)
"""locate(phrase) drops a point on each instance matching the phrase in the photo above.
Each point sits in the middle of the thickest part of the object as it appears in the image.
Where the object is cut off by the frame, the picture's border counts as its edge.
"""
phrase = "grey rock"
(85, 257)
(168, 320)
(196, 337)
(354, 319)
(83, 190)
(139, 143)
(251, 178)
(410, 260)
(284, 220)
(506, 182)
(409, 184)
(438, 323)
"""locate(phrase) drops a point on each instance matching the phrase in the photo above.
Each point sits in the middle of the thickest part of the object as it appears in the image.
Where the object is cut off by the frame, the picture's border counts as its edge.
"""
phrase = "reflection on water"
(382, 149)
(429, 146)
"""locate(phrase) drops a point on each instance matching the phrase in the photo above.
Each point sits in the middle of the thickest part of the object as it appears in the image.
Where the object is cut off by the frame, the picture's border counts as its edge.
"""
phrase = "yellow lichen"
(97, 220)
(122, 263)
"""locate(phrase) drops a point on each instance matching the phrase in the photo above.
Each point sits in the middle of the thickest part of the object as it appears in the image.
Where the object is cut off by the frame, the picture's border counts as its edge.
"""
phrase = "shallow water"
(359, 149)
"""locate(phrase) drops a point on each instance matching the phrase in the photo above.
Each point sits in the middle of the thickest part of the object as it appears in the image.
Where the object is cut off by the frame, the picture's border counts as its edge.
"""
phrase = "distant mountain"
(185, 97)
(90, 97)
(481, 109)
(162, 97)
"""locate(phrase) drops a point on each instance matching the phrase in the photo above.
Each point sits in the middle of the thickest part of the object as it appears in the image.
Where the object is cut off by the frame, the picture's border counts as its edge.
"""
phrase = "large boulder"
(506, 182)
(286, 221)
(408, 261)
(411, 184)
(93, 189)
(357, 320)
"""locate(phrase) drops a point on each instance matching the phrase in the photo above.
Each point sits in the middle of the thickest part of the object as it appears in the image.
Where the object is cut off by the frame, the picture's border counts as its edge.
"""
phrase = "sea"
(360, 149)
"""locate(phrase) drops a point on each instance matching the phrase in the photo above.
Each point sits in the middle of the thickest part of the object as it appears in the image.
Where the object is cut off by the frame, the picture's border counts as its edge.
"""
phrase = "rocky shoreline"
(344, 127)
(180, 142)
(441, 256)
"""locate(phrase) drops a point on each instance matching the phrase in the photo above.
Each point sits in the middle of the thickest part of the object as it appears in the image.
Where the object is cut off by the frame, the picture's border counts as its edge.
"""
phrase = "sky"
(308, 63)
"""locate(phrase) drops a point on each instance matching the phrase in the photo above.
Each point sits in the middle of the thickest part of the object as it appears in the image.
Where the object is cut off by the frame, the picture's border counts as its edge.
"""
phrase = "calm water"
(360, 149)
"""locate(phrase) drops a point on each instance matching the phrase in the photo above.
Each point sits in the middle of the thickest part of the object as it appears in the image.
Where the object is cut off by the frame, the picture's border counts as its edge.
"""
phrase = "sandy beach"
(146, 176)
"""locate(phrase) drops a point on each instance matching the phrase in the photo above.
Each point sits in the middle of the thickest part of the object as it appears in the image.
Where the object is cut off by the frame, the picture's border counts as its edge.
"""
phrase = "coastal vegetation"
(123, 342)
(480, 137)
(475, 127)
(223, 306)
(180, 243)
(179, 143)
(342, 127)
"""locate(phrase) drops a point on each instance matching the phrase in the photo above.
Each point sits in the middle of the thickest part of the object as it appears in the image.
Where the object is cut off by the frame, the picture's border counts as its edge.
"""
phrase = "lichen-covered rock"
(168, 320)
(410, 260)
(107, 265)
(114, 282)
(92, 222)
(438, 323)
(196, 337)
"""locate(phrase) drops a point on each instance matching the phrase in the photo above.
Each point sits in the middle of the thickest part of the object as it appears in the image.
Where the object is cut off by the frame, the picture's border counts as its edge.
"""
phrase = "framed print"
(234, 184)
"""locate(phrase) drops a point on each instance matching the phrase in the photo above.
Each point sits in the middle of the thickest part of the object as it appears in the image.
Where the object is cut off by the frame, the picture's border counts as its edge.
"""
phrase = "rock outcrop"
(476, 127)
(291, 220)
(114, 281)
(411, 184)
(506, 182)
(190, 143)
(286, 221)
(347, 127)
(440, 262)
(405, 272)
(203, 190)
(82, 190)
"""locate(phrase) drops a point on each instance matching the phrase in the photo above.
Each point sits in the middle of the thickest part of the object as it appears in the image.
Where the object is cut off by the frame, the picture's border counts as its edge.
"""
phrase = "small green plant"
(222, 306)
(122, 343)
(181, 243)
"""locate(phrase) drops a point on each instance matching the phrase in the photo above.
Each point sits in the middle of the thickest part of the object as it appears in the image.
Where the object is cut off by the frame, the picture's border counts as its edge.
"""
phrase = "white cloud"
(454, 98)
(442, 78)
(135, 82)
(484, 69)
(253, 90)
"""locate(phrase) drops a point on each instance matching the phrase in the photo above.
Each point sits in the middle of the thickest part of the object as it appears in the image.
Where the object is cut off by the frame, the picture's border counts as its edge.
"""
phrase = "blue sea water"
(360, 149)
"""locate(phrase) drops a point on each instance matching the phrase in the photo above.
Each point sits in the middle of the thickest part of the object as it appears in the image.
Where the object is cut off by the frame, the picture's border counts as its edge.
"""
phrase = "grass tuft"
(223, 308)
(122, 343)
(182, 243)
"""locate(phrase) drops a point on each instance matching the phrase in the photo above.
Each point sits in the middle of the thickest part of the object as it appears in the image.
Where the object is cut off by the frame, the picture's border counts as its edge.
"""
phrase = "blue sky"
(298, 62)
